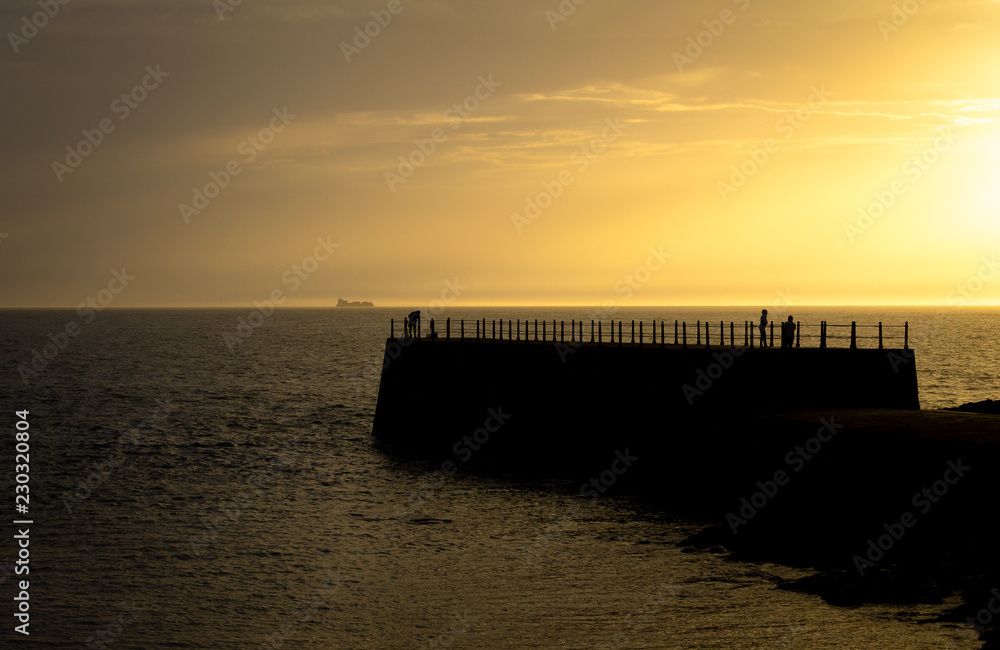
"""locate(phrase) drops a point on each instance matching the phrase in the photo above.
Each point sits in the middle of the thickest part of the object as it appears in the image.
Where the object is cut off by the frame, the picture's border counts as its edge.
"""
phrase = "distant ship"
(362, 303)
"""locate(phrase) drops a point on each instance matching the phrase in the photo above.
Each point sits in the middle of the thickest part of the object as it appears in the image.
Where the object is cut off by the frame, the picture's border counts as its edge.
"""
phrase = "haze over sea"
(185, 494)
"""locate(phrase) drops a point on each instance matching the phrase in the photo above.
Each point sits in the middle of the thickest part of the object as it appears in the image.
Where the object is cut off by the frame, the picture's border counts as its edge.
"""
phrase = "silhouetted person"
(415, 323)
(787, 333)
(763, 328)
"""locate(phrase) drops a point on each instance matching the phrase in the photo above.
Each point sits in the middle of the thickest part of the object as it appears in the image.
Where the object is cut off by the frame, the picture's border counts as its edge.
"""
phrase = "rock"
(988, 406)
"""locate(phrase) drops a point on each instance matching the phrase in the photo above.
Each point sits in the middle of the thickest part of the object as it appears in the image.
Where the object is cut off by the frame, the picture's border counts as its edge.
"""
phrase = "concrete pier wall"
(554, 404)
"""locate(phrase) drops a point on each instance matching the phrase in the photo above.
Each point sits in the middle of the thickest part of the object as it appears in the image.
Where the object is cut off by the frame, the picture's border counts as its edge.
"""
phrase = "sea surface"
(196, 484)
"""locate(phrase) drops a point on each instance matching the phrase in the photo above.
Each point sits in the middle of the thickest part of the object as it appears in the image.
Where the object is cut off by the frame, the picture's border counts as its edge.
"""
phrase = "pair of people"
(787, 331)
(411, 325)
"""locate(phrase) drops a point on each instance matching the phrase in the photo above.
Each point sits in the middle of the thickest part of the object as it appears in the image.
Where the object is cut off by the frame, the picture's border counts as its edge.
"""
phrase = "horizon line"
(251, 306)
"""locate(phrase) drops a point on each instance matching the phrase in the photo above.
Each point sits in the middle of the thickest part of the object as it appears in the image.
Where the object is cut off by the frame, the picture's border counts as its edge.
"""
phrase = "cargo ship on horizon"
(357, 303)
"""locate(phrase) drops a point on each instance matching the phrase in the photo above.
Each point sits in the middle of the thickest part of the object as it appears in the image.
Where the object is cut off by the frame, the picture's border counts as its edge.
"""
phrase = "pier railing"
(660, 333)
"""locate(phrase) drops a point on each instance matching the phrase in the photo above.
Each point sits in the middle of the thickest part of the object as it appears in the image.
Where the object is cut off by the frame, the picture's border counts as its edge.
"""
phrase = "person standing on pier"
(414, 324)
(763, 328)
(787, 333)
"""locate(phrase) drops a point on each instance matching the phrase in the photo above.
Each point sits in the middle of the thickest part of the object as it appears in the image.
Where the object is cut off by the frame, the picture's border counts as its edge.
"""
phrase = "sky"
(162, 153)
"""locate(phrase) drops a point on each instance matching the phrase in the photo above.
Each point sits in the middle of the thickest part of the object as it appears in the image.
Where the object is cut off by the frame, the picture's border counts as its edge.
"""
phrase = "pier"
(575, 391)
(683, 334)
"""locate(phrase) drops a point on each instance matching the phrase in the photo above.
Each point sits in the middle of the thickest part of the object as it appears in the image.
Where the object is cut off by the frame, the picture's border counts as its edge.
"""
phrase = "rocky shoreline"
(881, 517)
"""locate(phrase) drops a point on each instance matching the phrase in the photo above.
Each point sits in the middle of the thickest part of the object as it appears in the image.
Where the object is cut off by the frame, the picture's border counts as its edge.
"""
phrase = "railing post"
(906, 335)
(654, 331)
(599, 341)
(640, 333)
(447, 329)
(708, 337)
(612, 330)
(433, 335)
(392, 328)
(508, 330)
(501, 329)
(591, 330)
(461, 325)
(536, 329)
(517, 335)
(543, 330)
(798, 333)
(477, 329)
(732, 335)
(633, 330)
(722, 333)
(771, 344)
(495, 329)
(751, 336)
(663, 339)
(880, 335)
(562, 330)
(854, 335)
(698, 342)
(685, 333)
(822, 334)
(675, 333)
(746, 339)
(619, 333)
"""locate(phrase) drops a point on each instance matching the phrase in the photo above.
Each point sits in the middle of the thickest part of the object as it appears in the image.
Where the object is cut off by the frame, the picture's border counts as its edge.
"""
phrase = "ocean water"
(186, 493)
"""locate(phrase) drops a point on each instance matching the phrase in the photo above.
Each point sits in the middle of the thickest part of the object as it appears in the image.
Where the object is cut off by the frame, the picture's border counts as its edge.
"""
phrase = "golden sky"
(180, 152)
